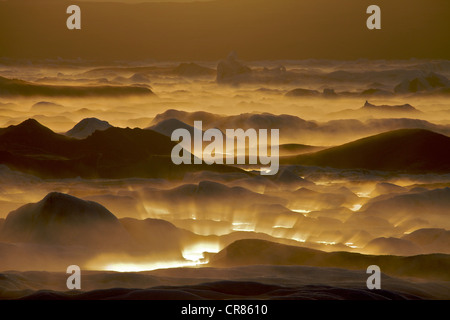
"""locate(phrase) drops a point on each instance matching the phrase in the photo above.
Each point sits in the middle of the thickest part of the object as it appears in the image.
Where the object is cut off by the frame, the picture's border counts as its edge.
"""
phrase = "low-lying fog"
(314, 103)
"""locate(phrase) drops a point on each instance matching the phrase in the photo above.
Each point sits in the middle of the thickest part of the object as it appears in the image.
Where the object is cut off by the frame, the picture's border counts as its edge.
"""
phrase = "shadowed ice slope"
(260, 252)
(410, 150)
(247, 282)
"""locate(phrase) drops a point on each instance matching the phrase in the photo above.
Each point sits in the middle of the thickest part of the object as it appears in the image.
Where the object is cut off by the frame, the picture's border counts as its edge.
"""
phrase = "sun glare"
(144, 266)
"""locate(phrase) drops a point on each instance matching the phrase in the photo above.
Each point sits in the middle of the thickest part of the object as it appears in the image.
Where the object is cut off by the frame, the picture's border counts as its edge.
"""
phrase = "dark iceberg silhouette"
(112, 153)
(261, 252)
(407, 150)
(61, 219)
(15, 87)
(86, 127)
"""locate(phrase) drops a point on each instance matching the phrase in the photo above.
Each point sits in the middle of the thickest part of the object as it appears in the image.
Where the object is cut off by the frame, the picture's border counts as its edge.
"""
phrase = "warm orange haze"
(208, 30)
(88, 177)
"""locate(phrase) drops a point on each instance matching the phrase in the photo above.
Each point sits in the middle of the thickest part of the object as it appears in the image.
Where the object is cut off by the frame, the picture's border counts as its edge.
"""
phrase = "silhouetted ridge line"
(112, 153)
(407, 150)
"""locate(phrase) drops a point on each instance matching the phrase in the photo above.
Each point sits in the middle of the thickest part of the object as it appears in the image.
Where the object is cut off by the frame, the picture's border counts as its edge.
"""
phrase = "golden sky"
(255, 29)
